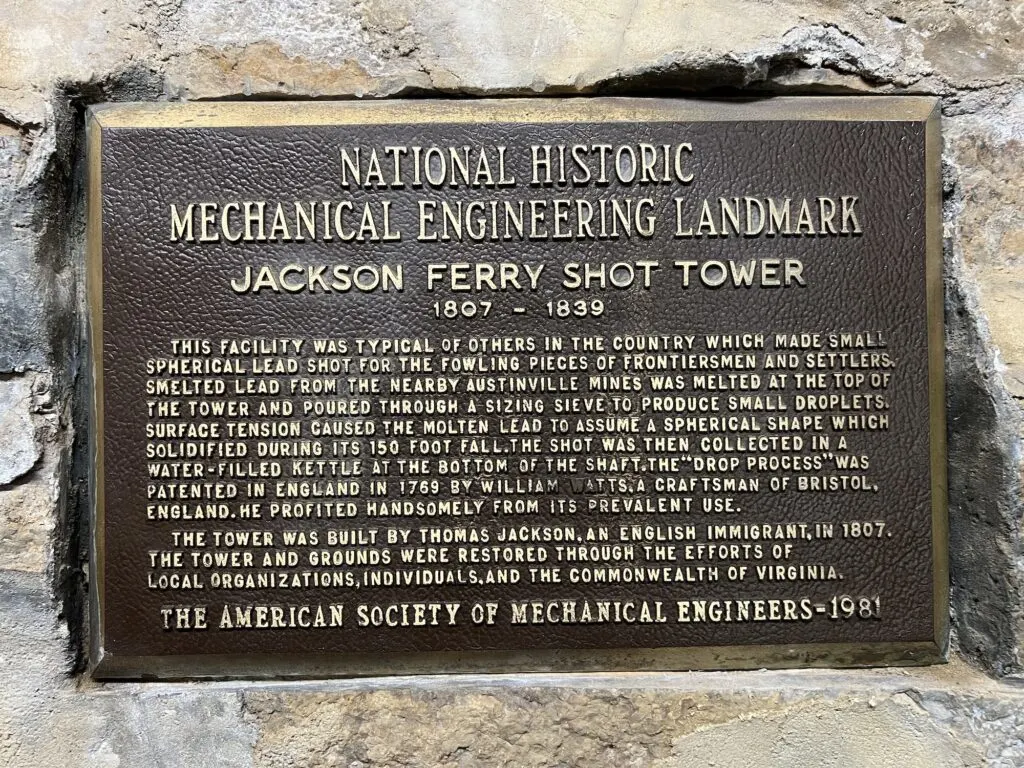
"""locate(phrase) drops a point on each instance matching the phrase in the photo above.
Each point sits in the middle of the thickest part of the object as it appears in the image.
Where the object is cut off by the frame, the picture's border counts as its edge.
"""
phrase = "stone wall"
(58, 57)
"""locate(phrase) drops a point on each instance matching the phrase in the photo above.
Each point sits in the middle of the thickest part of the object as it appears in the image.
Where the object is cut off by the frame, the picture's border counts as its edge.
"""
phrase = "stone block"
(20, 451)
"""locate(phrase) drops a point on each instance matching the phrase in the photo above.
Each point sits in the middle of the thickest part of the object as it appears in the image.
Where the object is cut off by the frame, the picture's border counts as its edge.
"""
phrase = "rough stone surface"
(47, 721)
(30, 480)
(26, 523)
(23, 293)
(62, 55)
(605, 727)
(31, 649)
(17, 432)
(934, 717)
(987, 146)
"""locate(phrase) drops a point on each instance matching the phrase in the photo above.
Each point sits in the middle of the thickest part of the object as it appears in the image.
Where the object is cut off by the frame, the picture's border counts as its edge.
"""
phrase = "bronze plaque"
(523, 384)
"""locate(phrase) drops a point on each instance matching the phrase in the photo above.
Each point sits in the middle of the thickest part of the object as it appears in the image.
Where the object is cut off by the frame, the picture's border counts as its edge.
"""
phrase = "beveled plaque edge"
(936, 305)
(94, 358)
(308, 666)
(242, 114)
(146, 115)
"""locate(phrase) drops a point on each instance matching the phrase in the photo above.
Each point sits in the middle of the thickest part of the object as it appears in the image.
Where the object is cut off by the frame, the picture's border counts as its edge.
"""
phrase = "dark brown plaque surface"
(573, 384)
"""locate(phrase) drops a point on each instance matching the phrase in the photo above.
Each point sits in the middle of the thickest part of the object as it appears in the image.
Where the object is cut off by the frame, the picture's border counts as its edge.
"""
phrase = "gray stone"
(983, 154)
(46, 721)
(23, 343)
(926, 717)
(27, 521)
(858, 736)
(17, 432)
(34, 730)
(986, 147)
(178, 726)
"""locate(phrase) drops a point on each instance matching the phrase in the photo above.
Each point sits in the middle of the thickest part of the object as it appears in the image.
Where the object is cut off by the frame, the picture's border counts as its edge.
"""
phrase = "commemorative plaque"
(516, 385)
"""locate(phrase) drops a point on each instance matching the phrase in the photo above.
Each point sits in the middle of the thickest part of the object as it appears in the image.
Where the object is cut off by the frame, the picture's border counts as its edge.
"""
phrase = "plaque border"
(922, 109)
